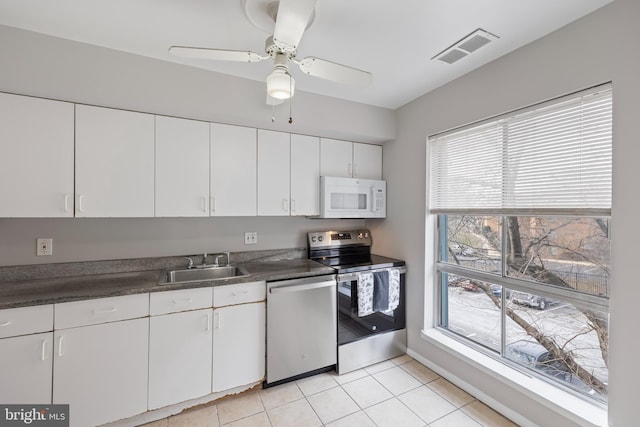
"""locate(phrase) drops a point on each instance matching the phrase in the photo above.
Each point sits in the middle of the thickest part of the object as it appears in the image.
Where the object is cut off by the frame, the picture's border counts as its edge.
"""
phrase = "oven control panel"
(339, 238)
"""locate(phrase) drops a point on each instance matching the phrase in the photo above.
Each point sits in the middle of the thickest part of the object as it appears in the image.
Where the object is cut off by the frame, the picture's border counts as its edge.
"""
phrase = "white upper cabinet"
(36, 157)
(182, 167)
(273, 173)
(233, 170)
(336, 158)
(367, 161)
(350, 159)
(114, 163)
(305, 175)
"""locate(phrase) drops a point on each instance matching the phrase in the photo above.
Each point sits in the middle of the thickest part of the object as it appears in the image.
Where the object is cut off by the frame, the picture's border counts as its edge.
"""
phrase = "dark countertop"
(64, 289)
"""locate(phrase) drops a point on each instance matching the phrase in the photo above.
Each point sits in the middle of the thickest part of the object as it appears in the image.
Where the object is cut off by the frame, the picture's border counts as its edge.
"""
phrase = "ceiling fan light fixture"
(280, 84)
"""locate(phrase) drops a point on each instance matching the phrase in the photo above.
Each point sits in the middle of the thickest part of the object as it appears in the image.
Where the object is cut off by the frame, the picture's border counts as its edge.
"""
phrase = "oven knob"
(320, 238)
(313, 238)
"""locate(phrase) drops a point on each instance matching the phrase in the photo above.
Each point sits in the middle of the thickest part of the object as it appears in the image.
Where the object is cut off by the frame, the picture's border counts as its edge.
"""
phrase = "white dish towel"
(365, 294)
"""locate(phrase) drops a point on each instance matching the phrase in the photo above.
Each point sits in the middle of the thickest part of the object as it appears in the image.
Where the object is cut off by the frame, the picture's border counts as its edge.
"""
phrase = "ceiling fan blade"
(217, 54)
(336, 72)
(292, 19)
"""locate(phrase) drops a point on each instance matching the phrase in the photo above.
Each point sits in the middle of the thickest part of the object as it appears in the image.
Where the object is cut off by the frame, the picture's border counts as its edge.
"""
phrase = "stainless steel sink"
(202, 274)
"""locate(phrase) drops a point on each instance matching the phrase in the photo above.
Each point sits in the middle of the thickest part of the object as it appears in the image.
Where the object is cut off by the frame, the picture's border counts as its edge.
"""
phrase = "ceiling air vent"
(465, 46)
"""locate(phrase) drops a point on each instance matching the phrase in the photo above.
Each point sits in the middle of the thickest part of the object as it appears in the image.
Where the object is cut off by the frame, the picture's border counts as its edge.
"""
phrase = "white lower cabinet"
(26, 344)
(238, 345)
(180, 346)
(26, 369)
(113, 358)
(101, 369)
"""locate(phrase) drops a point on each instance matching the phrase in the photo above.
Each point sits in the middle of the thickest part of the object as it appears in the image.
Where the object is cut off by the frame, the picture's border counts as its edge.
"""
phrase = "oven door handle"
(300, 288)
(349, 277)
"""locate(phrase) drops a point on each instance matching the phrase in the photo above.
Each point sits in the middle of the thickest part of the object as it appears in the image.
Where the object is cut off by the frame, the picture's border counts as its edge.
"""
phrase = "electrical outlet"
(251, 238)
(44, 247)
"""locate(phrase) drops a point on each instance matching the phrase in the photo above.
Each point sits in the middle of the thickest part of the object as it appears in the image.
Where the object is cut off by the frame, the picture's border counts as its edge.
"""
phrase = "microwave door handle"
(373, 198)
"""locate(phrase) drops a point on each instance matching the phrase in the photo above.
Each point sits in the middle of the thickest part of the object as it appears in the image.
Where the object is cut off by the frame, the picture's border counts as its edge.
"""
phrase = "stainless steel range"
(371, 298)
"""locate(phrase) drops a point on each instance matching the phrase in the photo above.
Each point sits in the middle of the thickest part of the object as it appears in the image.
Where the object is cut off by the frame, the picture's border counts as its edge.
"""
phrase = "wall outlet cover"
(250, 237)
(44, 247)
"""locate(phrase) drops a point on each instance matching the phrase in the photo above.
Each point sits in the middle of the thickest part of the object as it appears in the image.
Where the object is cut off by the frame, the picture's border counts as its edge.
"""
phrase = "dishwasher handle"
(293, 287)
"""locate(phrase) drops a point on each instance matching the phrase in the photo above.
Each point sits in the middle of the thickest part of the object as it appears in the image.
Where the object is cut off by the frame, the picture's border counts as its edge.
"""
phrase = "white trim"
(573, 408)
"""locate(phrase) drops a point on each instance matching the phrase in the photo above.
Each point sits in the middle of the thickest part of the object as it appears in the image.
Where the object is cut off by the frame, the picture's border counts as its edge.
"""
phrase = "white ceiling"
(393, 39)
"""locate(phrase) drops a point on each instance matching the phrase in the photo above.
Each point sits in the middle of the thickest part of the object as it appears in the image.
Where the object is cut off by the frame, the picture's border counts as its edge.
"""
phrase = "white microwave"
(352, 198)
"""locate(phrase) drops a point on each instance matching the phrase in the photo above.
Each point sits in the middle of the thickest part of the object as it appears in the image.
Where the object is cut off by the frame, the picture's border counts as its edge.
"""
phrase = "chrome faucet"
(215, 262)
(224, 254)
(190, 262)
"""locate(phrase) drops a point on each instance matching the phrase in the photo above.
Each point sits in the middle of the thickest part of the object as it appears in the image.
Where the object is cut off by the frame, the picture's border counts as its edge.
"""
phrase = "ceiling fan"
(292, 18)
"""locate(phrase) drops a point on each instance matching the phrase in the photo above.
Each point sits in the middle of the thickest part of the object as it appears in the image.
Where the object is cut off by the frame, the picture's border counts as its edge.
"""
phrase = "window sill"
(572, 407)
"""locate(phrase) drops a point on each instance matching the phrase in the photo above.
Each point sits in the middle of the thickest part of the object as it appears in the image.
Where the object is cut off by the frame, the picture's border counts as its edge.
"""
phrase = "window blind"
(553, 158)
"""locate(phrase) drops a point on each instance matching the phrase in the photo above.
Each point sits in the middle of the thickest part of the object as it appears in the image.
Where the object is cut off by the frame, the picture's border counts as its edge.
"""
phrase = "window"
(523, 205)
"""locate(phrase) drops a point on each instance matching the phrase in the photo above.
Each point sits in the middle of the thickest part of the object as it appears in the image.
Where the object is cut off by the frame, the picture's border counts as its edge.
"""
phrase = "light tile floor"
(398, 392)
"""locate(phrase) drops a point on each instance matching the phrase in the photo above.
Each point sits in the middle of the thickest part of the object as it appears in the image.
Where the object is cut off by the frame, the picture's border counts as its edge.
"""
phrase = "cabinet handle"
(208, 321)
(240, 293)
(3, 324)
(44, 349)
(105, 311)
(355, 170)
(213, 204)
(66, 203)
(60, 353)
(218, 321)
(80, 204)
(293, 205)
(183, 301)
(285, 205)
(204, 204)
(350, 169)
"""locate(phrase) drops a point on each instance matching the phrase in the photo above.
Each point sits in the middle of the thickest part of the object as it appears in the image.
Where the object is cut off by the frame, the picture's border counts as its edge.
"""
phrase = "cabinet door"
(233, 170)
(36, 157)
(114, 163)
(180, 346)
(182, 167)
(101, 371)
(26, 369)
(335, 158)
(273, 173)
(238, 345)
(367, 161)
(305, 175)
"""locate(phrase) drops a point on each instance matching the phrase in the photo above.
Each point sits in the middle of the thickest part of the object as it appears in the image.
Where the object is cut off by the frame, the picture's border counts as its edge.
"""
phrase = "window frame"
(437, 218)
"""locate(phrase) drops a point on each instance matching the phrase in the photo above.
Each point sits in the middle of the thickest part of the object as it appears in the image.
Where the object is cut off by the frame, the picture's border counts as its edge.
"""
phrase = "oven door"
(353, 327)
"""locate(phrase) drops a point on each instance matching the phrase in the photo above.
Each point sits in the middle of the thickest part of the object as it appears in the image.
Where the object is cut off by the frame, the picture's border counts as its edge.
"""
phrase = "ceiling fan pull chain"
(273, 113)
(290, 102)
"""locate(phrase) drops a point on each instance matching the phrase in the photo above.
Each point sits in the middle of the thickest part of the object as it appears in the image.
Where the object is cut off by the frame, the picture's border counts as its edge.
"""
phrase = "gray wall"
(38, 65)
(600, 47)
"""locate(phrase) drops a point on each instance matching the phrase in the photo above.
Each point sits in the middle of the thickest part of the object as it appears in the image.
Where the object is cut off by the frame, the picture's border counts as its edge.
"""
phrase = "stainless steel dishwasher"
(301, 327)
